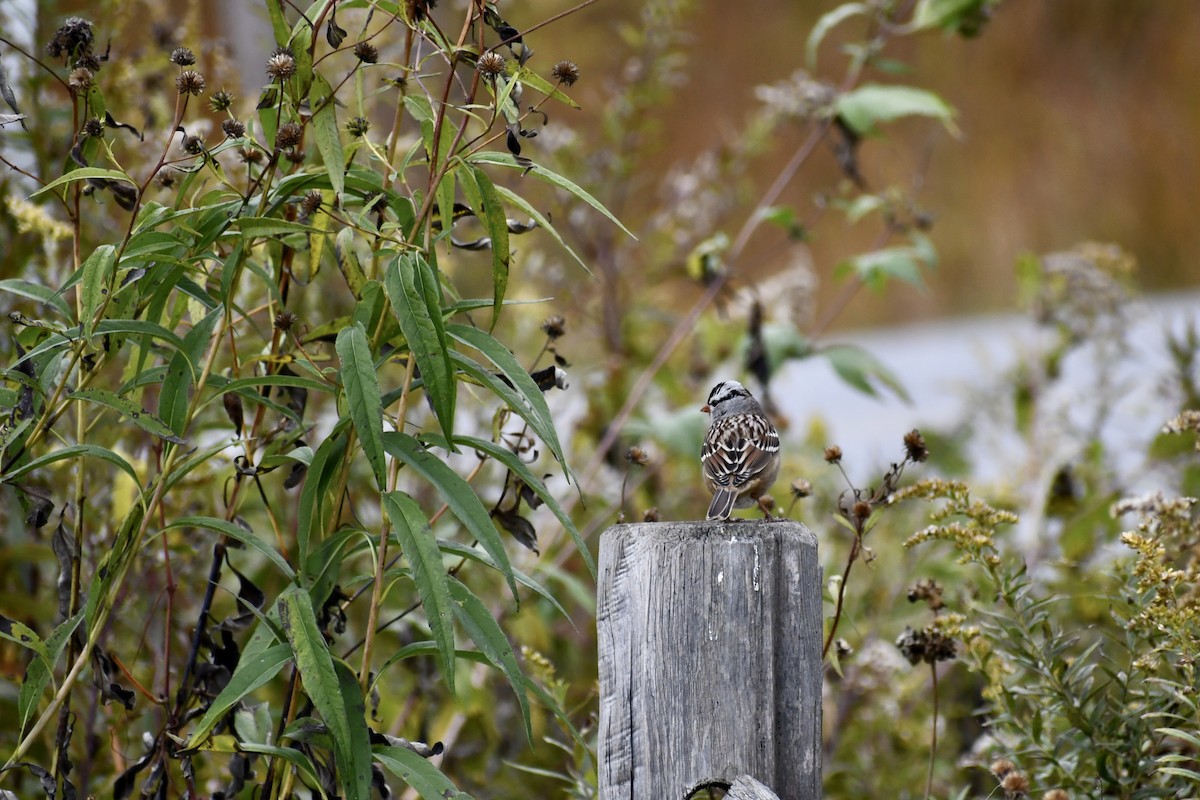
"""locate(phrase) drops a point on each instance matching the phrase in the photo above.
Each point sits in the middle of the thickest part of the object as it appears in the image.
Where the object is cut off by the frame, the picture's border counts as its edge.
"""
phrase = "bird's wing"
(733, 454)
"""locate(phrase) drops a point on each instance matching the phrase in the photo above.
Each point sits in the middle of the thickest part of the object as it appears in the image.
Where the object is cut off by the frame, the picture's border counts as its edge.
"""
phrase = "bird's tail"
(722, 504)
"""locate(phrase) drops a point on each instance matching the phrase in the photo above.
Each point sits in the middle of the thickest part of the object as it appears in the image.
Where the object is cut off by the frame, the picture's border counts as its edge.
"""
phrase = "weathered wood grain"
(710, 658)
(746, 788)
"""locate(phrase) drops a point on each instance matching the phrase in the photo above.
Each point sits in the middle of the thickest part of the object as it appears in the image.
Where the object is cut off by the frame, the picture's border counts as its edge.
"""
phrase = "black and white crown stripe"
(726, 390)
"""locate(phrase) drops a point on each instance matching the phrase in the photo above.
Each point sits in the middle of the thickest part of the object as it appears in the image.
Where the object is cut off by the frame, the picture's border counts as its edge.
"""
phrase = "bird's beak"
(706, 409)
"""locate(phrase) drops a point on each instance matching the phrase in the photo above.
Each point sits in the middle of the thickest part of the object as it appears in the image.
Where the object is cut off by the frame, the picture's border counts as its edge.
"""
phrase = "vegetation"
(304, 503)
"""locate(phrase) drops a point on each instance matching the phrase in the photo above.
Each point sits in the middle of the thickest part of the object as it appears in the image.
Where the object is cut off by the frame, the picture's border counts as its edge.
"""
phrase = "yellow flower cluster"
(34, 219)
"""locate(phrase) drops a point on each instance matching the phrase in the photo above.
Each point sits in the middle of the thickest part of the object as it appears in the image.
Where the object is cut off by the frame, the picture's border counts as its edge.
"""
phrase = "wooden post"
(710, 658)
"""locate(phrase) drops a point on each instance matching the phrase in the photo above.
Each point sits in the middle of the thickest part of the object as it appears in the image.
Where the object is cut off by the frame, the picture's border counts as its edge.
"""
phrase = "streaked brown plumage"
(740, 454)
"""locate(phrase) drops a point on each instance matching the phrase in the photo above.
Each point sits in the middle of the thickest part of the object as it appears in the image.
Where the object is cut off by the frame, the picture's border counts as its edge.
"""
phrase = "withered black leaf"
(249, 596)
(550, 378)
(123, 785)
(334, 34)
(38, 506)
(519, 528)
(233, 410)
(113, 123)
(528, 494)
(103, 672)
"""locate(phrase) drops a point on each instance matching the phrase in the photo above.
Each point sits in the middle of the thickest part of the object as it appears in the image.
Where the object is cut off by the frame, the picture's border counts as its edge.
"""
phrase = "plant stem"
(364, 674)
(855, 548)
(933, 731)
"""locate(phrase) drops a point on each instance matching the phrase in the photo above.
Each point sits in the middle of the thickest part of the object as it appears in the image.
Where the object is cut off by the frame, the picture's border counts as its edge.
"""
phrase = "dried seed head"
(1001, 767)
(914, 446)
(1056, 794)
(281, 66)
(80, 79)
(166, 177)
(862, 510)
(220, 101)
(296, 156)
(930, 591)
(193, 145)
(366, 52)
(88, 61)
(565, 72)
(638, 456)
(358, 127)
(1015, 784)
(289, 135)
(833, 454)
(310, 203)
(73, 39)
(284, 321)
(490, 64)
(554, 327)
(233, 128)
(251, 155)
(801, 488)
(190, 82)
(183, 57)
(93, 128)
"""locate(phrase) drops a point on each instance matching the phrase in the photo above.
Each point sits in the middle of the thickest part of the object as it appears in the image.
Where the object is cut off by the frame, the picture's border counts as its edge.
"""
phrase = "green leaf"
(549, 176)
(480, 557)
(279, 24)
(324, 689)
(139, 327)
(325, 126)
(182, 371)
(40, 670)
(82, 174)
(253, 671)
(22, 634)
(525, 75)
(428, 573)
(94, 287)
(859, 368)
(942, 13)
(36, 291)
(240, 534)
(417, 772)
(483, 629)
(518, 467)
(363, 397)
(73, 451)
(497, 227)
(317, 482)
(456, 493)
(291, 755)
(828, 21)
(542, 222)
(259, 382)
(872, 103)
(347, 261)
(253, 227)
(128, 409)
(532, 402)
(412, 287)
(356, 768)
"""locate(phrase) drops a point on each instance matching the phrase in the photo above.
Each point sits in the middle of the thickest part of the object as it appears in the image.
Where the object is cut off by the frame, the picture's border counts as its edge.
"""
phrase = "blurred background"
(1079, 122)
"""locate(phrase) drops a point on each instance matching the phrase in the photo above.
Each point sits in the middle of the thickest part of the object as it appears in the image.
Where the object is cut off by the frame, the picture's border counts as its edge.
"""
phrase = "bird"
(740, 455)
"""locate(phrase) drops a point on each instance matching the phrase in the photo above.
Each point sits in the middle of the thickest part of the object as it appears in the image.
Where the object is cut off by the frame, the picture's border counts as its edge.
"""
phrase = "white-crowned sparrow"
(740, 455)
